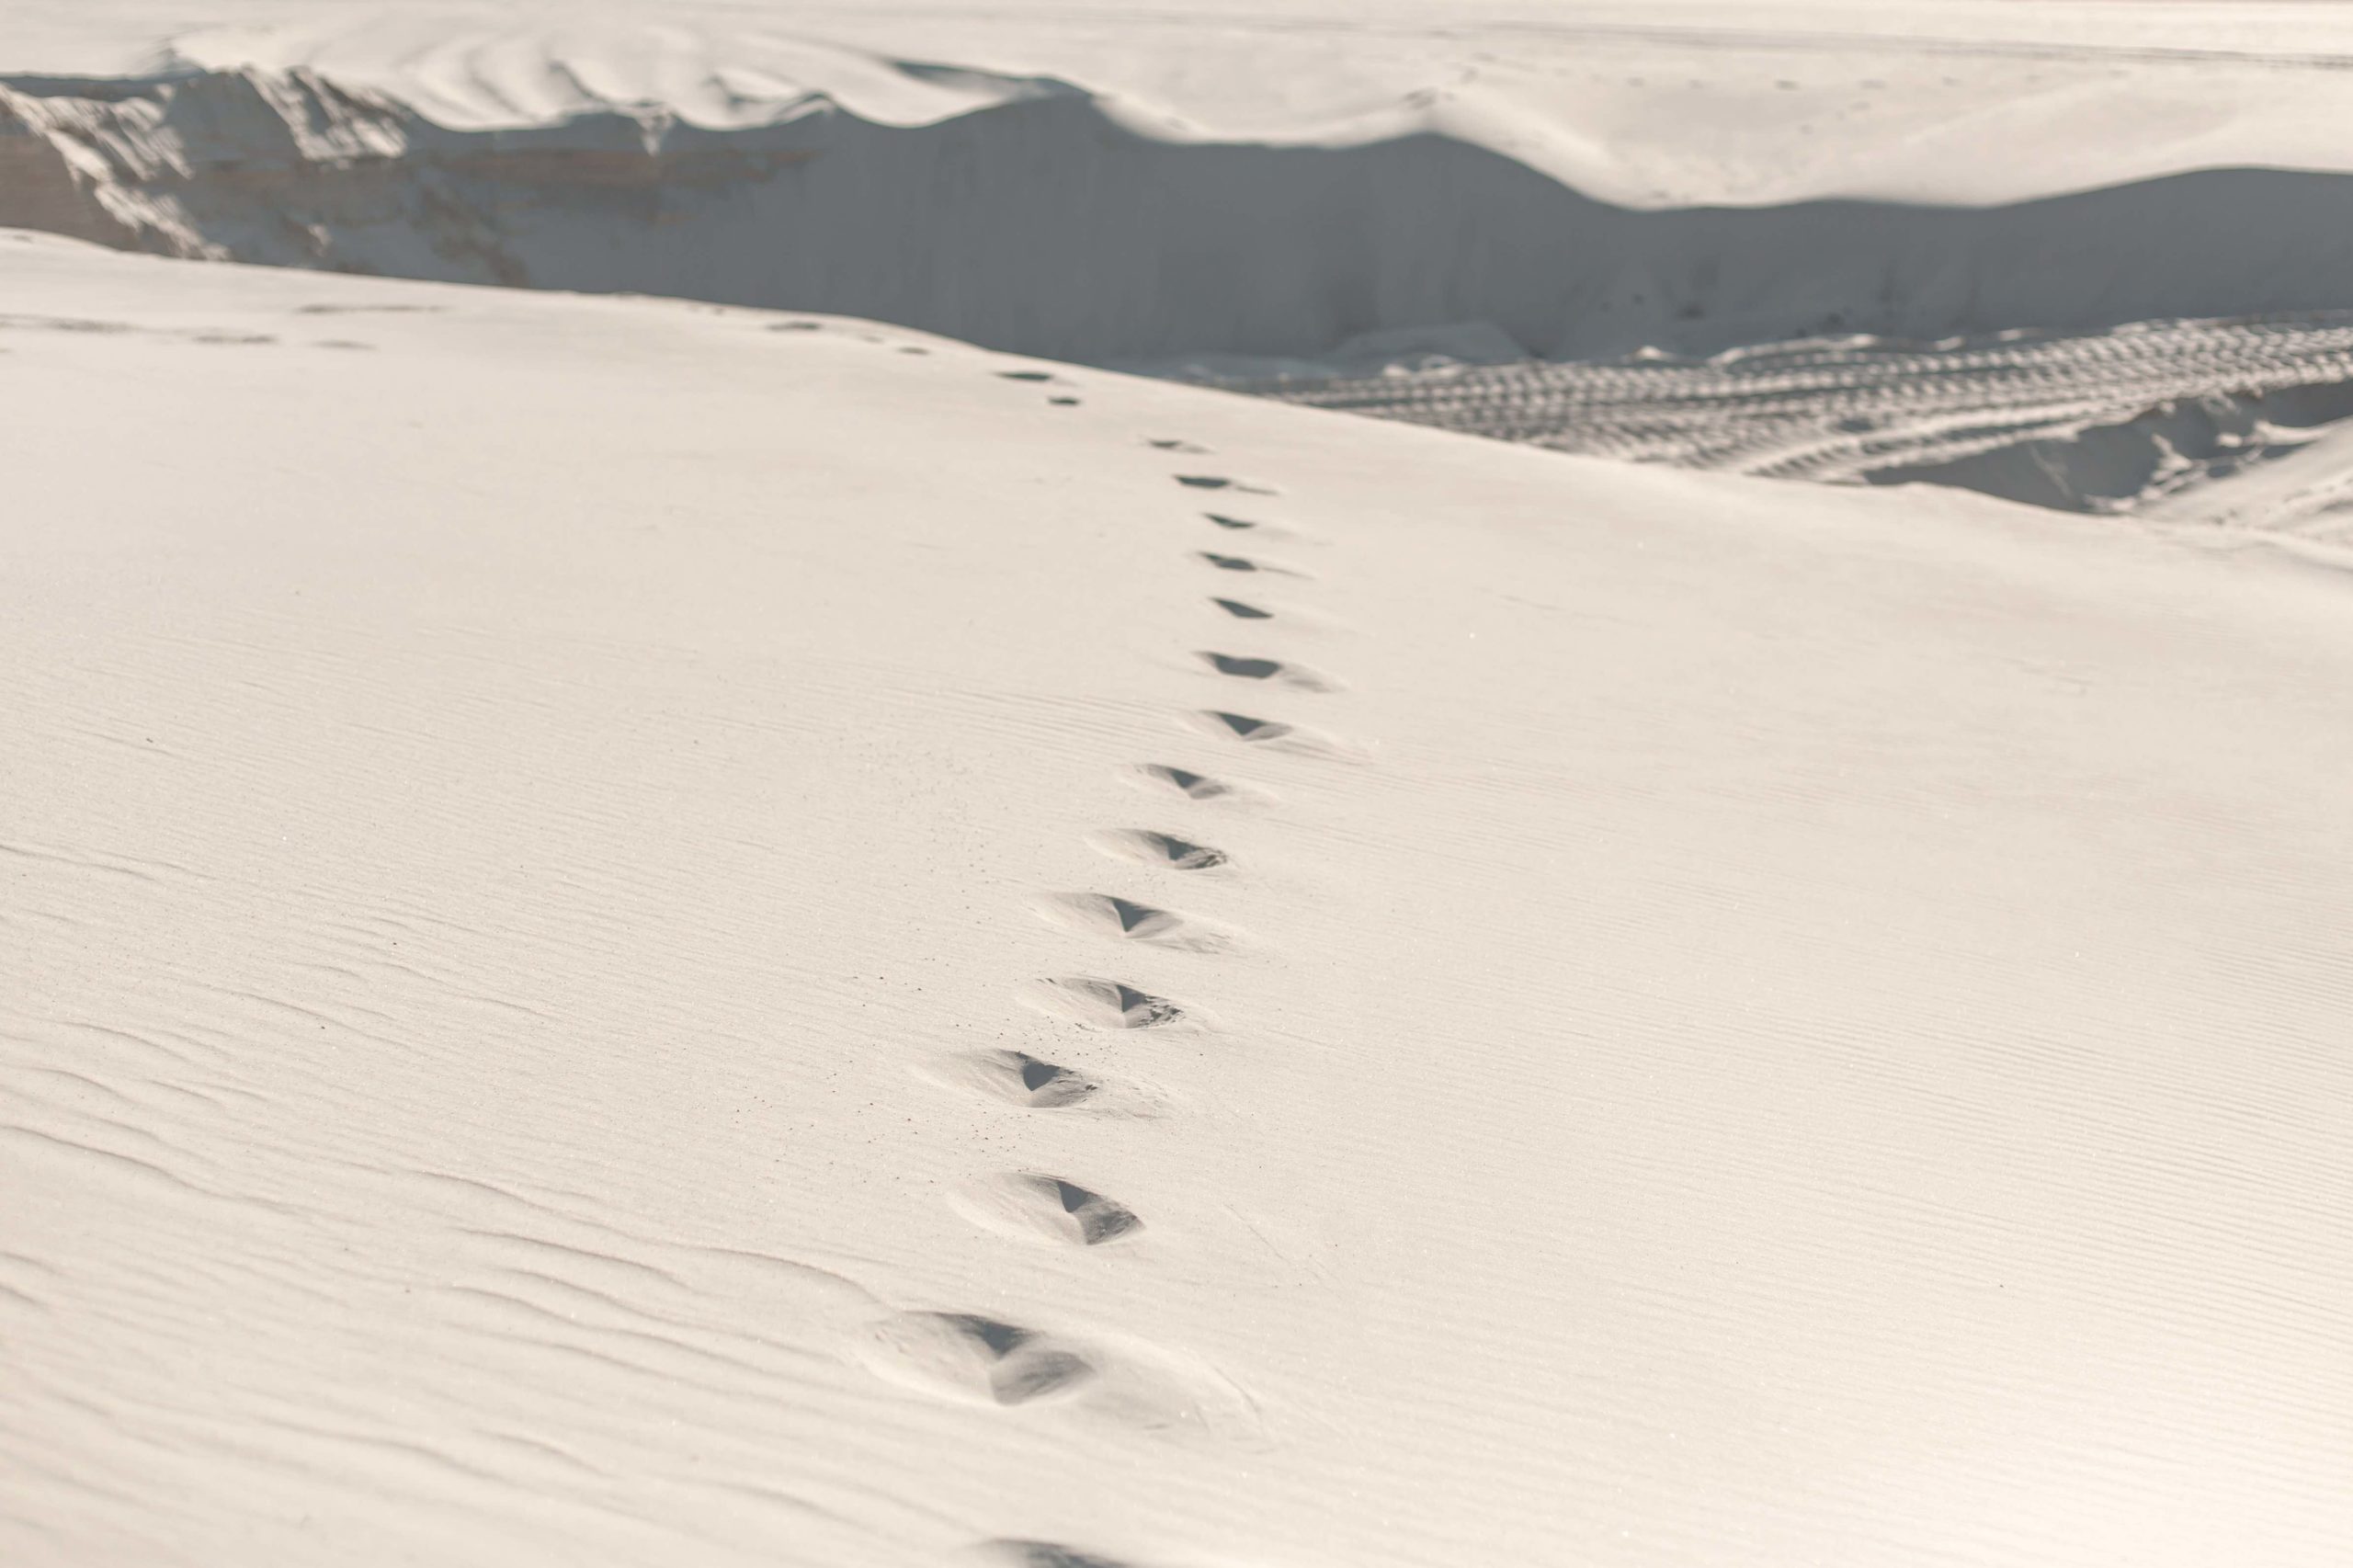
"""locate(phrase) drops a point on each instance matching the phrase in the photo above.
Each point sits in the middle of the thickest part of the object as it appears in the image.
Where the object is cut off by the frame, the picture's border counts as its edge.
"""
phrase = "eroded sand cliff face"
(1046, 221)
(41, 187)
(290, 169)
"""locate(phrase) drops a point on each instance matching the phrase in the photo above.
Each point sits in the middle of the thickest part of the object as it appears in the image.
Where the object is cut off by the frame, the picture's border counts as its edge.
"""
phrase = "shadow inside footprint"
(1017, 1077)
(1276, 670)
(1013, 1553)
(967, 1356)
(1241, 611)
(1033, 1206)
(1108, 910)
(1102, 1003)
(1243, 727)
(1228, 522)
(1215, 482)
(1229, 562)
(1291, 739)
(988, 1360)
(1018, 1381)
(1098, 1218)
(1125, 920)
(1175, 444)
(1196, 785)
(1050, 1084)
(1158, 849)
(1026, 375)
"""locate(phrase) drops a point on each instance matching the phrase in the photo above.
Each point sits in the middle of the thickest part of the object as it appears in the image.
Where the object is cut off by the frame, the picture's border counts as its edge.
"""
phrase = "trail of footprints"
(981, 1358)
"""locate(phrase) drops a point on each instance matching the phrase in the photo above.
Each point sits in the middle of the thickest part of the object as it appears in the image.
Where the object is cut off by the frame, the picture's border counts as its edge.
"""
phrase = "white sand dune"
(1333, 191)
(1637, 102)
(639, 937)
(1100, 184)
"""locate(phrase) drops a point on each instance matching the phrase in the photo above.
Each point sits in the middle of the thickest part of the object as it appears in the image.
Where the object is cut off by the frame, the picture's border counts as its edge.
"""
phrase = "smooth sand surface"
(642, 933)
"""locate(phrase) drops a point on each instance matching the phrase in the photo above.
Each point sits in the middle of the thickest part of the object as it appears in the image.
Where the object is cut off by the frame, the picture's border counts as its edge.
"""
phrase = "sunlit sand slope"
(646, 935)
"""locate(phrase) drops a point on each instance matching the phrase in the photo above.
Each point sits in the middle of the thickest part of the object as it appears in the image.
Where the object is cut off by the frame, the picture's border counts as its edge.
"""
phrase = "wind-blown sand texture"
(651, 932)
(636, 937)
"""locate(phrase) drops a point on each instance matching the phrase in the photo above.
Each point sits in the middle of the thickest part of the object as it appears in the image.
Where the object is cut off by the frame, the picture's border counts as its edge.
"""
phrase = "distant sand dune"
(1048, 225)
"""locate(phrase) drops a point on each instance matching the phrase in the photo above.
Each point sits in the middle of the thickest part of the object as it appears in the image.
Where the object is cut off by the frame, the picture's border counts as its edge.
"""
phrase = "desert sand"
(659, 930)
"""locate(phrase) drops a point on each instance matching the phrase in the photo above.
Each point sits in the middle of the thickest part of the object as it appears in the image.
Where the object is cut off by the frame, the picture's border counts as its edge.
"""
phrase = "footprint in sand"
(1215, 482)
(329, 309)
(1026, 375)
(1163, 849)
(1032, 1083)
(1259, 531)
(1062, 402)
(1275, 672)
(1125, 920)
(1009, 1552)
(1019, 1078)
(1247, 564)
(1273, 733)
(1160, 777)
(1097, 1003)
(980, 1360)
(1241, 611)
(1033, 1206)
(1174, 444)
(985, 1361)
(1243, 727)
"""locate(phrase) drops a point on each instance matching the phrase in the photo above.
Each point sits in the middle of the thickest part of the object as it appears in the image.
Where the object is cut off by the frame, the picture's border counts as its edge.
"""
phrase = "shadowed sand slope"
(1726, 1024)
(1045, 221)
